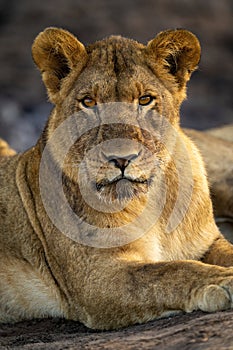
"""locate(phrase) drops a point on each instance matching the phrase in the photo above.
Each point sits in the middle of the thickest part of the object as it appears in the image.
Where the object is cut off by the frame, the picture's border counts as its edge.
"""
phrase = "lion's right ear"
(56, 52)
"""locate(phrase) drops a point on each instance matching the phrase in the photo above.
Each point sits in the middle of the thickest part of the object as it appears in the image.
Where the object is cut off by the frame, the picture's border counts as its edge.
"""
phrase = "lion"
(5, 149)
(108, 219)
(216, 148)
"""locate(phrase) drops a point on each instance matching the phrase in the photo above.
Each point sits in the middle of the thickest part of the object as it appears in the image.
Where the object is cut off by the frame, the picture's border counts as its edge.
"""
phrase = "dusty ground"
(195, 331)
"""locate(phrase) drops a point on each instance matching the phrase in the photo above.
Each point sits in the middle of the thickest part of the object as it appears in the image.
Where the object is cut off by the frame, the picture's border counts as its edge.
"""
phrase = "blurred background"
(23, 102)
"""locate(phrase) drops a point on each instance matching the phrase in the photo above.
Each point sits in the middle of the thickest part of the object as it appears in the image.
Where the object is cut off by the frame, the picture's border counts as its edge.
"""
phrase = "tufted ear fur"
(56, 52)
(177, 53)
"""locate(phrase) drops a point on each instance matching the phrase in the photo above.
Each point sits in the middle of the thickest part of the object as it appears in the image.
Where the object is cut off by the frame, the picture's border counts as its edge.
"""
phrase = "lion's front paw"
(216, 297)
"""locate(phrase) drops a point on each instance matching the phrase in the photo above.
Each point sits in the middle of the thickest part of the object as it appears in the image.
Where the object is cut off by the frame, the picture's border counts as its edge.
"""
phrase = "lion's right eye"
(88, 102)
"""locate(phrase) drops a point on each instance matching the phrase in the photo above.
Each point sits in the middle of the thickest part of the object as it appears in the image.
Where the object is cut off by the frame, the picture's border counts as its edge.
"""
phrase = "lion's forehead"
(117, 59)
(117, 53)
(117, 68)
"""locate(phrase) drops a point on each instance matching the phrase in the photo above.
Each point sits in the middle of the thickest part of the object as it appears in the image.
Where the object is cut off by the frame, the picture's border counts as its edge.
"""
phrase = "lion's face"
(122, 102)
(118, 149)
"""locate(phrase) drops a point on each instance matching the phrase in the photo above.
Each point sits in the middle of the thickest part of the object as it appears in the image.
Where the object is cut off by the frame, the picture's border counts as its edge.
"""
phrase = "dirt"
(187, 331)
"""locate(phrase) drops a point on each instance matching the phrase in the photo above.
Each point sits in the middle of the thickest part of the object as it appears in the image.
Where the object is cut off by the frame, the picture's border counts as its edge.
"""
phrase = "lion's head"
(118, 104)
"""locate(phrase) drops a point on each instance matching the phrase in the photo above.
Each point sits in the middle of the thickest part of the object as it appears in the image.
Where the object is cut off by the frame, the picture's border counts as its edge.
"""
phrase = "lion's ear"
(177, 52)
(56, 52)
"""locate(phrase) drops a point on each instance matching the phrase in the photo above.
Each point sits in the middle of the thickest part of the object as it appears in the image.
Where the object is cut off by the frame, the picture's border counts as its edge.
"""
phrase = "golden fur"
(216, 148)
(43, 272)
(5, 149)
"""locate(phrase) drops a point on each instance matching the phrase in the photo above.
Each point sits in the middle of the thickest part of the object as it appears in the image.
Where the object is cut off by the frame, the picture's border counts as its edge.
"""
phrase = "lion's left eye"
(145, 100)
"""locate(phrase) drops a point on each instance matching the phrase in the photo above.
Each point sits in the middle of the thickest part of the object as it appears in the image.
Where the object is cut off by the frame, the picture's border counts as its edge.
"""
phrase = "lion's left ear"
(176, 52)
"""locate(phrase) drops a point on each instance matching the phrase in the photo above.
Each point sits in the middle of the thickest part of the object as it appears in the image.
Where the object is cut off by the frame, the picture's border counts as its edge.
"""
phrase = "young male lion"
(108, 219)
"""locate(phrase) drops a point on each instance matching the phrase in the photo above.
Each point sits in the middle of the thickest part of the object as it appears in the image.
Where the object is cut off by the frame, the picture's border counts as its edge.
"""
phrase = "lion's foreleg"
(220, 253)
(141, 292)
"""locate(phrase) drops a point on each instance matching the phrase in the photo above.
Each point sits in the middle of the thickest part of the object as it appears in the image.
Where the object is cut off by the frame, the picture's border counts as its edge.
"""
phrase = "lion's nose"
(121, 162)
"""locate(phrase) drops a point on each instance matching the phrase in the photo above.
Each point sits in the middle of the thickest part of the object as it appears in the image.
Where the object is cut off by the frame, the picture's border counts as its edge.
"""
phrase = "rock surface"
(197, 331)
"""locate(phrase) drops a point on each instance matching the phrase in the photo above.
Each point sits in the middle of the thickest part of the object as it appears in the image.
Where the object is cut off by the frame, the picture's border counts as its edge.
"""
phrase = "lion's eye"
(145, 100)
(88, 102)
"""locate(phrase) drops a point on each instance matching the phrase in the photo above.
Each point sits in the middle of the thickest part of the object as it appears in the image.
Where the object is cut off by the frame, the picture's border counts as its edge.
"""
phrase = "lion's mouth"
(122, 188)
(119, 179)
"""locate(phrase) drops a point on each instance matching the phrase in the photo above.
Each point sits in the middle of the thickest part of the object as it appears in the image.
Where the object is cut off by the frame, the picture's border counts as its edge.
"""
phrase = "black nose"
(123, 162)
(120, 163)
